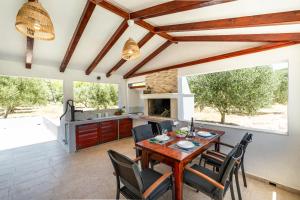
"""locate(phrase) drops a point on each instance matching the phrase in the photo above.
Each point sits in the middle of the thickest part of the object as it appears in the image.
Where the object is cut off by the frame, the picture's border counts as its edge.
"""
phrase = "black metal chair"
(214, 185)
(146, 184)
(215, 159)
(165, 125)
(140, 133)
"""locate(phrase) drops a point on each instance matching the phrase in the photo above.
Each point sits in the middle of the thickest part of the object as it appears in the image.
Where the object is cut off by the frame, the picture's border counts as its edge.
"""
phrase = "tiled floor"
(45, 171)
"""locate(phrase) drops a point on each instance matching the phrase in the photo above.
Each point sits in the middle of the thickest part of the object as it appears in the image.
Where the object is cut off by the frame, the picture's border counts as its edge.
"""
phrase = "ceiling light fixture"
(34, 21)
(131, 49)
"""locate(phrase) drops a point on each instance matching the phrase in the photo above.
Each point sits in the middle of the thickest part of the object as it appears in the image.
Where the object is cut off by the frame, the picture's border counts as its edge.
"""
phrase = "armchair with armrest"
(216, 158)
(140, 133)
(146, 184)
(215, 185)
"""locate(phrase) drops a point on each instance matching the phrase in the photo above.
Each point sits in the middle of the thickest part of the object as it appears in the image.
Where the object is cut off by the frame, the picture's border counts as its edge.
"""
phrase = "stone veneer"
(163, 82)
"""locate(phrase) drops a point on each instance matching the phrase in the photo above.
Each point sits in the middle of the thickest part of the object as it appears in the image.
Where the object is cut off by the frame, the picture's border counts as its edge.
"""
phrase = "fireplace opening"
(159, 107)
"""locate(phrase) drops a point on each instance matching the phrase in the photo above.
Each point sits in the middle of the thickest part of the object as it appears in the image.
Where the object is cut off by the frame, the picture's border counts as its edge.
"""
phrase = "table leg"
(145, 159)
(217, 146)
(178, 176)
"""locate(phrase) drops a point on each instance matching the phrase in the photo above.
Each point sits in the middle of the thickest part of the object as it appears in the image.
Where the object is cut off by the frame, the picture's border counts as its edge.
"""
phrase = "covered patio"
(163, 75)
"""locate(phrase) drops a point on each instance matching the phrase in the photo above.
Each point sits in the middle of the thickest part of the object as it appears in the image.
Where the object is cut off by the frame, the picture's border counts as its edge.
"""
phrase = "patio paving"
(45, 171)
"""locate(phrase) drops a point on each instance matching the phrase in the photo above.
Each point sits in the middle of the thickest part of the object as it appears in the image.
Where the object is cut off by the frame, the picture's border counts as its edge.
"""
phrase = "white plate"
(184, 129)
(162, 137)
(204, 133)
(185, 144)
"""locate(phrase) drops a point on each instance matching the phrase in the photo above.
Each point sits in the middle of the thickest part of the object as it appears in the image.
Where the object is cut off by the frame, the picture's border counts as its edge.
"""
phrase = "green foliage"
(281, 92)
(54, 89)
(16, 92)
(95, 95)
(244, 91)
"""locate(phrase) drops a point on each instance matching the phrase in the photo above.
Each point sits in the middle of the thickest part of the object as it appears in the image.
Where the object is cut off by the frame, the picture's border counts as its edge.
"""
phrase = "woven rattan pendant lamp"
(34, 21)
(131, 49)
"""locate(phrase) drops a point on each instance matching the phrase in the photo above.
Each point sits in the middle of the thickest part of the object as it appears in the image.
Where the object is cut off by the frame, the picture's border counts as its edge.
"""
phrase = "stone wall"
(163, 82)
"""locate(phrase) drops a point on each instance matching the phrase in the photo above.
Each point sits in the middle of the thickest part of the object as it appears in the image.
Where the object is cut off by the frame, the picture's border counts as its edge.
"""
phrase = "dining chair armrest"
(224, 144)
(137, 159)
(156, 184)
(213, 157)
(215, 153)
(205, 177)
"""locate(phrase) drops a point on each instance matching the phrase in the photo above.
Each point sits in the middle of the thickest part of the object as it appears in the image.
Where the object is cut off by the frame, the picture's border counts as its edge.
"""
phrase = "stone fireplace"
(170, 96)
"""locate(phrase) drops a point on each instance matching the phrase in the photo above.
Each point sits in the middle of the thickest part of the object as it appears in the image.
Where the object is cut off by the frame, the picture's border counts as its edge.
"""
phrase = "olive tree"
(16, 92)
(244, 90)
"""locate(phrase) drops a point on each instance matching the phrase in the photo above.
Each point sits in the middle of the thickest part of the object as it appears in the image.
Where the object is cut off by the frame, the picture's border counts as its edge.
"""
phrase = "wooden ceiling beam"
(273, 37)
(118, 11)
(147, 59)
(221, 57)
(141, 43)
(114, 38)
(29, 52)
(173, 7)
(83, 21)
(290, 17)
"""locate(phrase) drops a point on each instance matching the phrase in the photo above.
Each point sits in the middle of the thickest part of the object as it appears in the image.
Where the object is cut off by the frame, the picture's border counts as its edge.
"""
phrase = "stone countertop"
(100, 119)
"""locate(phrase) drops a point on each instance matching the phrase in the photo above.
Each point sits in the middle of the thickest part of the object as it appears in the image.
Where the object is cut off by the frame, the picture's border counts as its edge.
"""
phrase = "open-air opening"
(255, 98)
(29, 110)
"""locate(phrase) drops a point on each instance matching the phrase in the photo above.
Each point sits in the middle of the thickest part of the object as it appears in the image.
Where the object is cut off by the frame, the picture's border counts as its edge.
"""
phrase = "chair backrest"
(127, 171)
(142, 132)
(245, 141)
(229, 163)
(165, 125)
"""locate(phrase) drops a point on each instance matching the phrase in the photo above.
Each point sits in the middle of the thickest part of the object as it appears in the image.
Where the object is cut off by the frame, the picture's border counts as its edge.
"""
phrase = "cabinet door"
(87, 135)
(125, 126)
(108, 131)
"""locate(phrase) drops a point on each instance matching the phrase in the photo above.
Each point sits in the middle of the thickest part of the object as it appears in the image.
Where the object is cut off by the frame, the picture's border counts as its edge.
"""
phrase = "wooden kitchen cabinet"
(125, 126)
(108, 131)
(87, 135)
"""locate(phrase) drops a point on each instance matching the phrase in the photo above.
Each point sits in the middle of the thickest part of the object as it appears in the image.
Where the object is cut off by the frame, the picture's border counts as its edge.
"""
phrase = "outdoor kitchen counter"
(72, 128)
(101, 119)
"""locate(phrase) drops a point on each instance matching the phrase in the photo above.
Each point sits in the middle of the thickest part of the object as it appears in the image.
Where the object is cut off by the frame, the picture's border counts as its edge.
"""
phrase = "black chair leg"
(151, 165)
(236, 174)
(118, 192)
(232, 192)
(243, 173)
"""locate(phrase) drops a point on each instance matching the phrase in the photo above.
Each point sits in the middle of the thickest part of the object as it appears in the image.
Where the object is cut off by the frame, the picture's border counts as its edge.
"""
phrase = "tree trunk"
(223, 118)
(7, 112)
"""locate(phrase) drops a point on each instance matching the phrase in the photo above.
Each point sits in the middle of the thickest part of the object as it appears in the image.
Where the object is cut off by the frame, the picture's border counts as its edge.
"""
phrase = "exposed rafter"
(289, 17)
(83, 21)
(125, 15)
(148, 58)
(221, 57)
(273, 37)
(141, 43)
(173, 7)
(114, 38)
(29, 52)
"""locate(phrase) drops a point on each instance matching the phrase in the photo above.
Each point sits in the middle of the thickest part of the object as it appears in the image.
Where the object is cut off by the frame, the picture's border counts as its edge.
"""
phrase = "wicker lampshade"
(130, 50)
(34, 21)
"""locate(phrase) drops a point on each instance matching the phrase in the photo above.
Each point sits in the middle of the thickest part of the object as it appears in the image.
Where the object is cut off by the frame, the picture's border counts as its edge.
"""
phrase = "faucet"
(70, 103)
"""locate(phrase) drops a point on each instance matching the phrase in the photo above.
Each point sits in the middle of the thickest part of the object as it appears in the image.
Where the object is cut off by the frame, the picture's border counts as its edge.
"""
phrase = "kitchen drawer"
(87, 127)
(125, 121)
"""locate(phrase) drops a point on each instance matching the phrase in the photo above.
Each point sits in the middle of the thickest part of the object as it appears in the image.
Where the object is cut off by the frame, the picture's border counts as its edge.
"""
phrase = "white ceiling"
(65, 16)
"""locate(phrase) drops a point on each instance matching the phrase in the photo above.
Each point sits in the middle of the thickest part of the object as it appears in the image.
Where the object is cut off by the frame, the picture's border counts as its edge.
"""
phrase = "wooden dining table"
(176, 158)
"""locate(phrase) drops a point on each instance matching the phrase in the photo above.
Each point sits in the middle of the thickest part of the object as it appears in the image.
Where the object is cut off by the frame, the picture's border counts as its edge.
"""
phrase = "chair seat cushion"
(149, 176)
(199, 183)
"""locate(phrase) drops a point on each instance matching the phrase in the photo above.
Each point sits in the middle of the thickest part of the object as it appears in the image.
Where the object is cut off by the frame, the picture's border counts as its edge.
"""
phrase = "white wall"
(270, 156)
